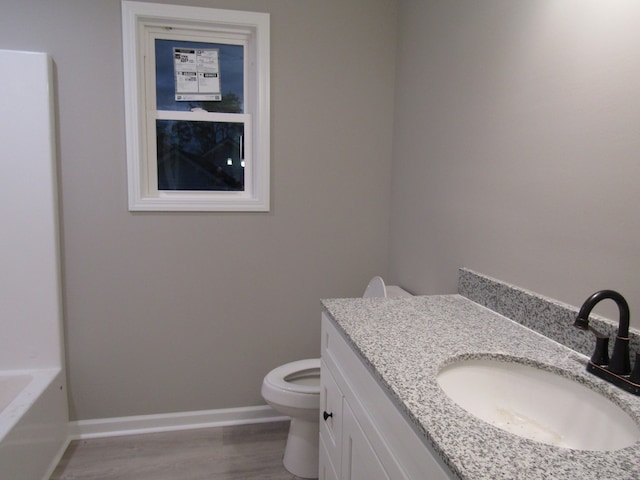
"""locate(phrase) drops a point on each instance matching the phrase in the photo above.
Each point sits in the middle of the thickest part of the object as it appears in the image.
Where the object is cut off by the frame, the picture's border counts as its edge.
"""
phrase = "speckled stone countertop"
(405, 341)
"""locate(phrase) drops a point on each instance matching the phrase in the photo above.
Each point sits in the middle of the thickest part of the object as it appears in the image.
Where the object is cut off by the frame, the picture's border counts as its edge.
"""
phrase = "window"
(197, 108)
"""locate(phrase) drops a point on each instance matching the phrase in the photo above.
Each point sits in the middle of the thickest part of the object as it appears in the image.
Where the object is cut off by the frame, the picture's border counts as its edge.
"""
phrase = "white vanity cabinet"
(364, 436)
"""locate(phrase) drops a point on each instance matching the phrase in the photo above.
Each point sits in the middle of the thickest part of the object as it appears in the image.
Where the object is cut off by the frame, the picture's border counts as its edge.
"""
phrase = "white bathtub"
(33, 404)
(33, 426)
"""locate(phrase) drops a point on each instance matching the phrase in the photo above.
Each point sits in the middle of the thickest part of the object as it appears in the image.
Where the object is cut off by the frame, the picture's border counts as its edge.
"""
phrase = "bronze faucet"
(617, 369)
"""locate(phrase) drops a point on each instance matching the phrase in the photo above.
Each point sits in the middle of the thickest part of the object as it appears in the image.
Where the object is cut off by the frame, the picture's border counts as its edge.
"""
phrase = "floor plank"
(243, 452)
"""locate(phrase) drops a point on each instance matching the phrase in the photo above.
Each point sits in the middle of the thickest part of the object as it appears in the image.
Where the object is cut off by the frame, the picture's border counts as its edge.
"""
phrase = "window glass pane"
(230, 70)
(200, 155)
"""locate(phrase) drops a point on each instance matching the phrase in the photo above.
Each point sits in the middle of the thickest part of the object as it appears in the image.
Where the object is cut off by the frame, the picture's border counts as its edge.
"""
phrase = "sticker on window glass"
(197, 74)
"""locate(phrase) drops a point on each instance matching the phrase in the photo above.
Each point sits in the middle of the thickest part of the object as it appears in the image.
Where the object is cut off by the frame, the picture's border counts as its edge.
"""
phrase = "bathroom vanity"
(384, 414)
(362, 433)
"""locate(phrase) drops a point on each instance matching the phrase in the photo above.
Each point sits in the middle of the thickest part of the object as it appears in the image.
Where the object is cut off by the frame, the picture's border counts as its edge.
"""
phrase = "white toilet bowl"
(293, 389)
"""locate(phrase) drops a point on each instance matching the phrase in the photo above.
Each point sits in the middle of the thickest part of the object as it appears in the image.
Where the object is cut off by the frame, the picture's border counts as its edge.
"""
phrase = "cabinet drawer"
(333, 347)
(331, 403)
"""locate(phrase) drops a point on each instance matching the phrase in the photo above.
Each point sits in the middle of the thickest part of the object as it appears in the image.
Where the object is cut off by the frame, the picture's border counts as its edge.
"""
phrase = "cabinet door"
(331, 404)
(359, 460)
(325, 467)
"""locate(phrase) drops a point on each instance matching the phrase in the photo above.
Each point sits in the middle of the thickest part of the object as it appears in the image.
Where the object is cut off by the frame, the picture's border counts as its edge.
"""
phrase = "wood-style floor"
(222, 453)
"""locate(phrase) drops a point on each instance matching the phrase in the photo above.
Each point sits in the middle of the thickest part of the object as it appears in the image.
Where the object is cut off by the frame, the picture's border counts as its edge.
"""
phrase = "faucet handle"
(635, 374)
(619, 363)
(601, 353)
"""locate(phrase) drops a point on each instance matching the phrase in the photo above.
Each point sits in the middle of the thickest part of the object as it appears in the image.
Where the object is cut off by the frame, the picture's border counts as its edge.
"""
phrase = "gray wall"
(516, 143)
(186, 311)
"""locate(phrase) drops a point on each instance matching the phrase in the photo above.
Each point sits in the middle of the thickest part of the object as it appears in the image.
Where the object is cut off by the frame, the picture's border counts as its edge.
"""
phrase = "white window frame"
(140, 22)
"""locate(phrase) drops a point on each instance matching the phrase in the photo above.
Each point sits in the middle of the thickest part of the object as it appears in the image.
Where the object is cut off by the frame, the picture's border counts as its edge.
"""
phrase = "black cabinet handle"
(326, 415)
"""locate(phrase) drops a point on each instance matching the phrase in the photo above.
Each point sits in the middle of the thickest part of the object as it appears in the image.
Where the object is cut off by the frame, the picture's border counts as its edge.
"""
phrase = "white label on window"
(197, 74)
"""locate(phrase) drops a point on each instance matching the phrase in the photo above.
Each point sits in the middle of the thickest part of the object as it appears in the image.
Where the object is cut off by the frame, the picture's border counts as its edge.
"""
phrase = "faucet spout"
(619, 363)
(582, 321)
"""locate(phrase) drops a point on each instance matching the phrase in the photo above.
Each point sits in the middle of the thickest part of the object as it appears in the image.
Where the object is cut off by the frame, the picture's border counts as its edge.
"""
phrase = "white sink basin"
(538, 405)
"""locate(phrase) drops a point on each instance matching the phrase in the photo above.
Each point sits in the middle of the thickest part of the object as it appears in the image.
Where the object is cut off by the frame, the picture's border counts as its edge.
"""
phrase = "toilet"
(293, 389)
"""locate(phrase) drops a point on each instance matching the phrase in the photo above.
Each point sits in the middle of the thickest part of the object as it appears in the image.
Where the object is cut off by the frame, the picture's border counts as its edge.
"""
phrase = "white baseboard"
(110, 427)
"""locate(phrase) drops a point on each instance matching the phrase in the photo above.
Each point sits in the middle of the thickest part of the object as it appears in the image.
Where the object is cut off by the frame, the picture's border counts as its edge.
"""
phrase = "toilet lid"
(302, 376)
(376, 288)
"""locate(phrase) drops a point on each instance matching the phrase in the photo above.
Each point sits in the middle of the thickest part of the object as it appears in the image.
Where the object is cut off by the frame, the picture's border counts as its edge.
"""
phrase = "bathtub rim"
(41, 379)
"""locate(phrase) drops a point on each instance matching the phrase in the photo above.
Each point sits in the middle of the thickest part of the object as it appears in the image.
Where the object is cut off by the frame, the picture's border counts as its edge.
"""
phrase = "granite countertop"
(405, 341)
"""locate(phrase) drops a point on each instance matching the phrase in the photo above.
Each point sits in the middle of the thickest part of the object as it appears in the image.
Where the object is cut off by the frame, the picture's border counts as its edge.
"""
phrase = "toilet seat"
(281, 377)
